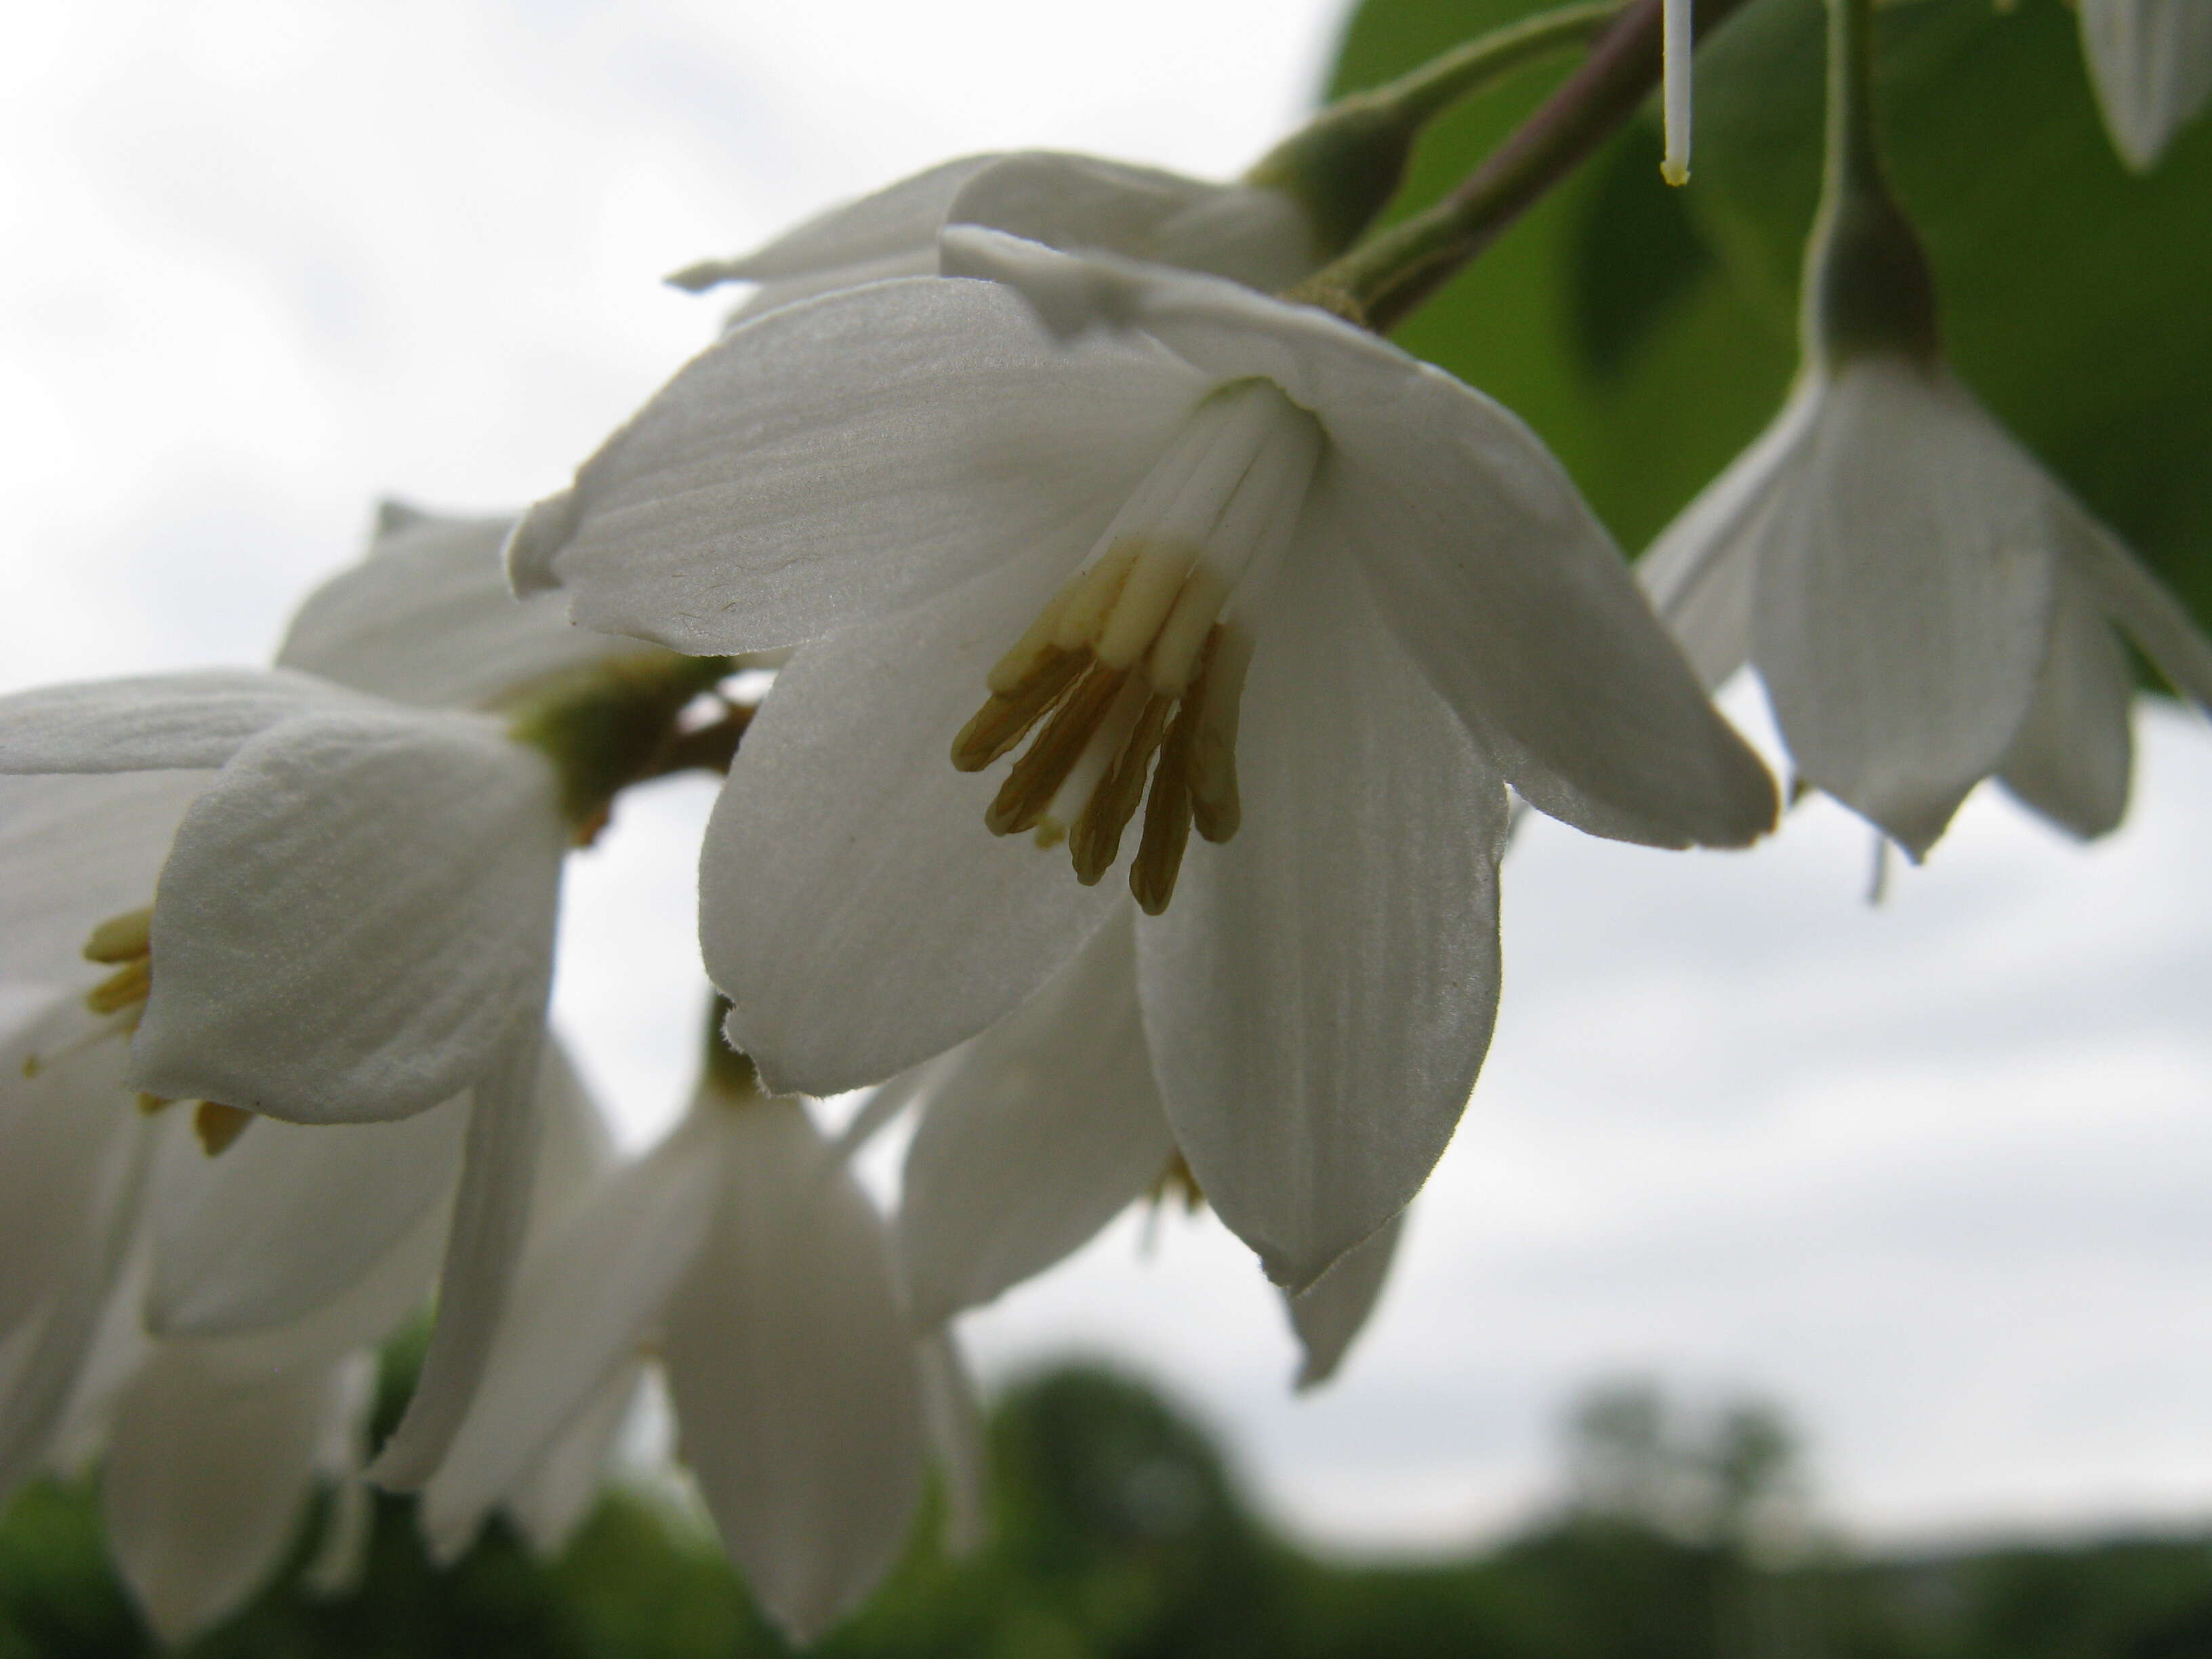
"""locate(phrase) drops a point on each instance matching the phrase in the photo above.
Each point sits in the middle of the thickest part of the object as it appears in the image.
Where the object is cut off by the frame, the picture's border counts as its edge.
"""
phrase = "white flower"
(745, 1256)
(1926, 605)
(2150, 62)
(353, 917)
(1034, 1135)
(1342, 595)
(1249, 233)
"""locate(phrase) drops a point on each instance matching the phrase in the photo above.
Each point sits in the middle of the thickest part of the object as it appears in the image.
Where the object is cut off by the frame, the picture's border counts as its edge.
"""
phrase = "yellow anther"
(218, 1126)
(127, 985)
(1006, 716)
(120, 938)
(1036, 777)
(1096, 840)
(150, 1104)
(1167, 820)
(1214, 804)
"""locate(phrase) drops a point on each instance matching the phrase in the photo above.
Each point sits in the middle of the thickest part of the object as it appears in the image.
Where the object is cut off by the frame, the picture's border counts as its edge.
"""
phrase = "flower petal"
(2144, 607)
(2150, 62)
(206, 1477)
(50, 1355)
(428, 619)
(1699, 574)
(154, 723)
(75, 850)
(482, 1245)
(852, 904)
(61, 1124)
(897, 220)
(794, 1377)
(1257, 237)
(558, 1497)
(1319, 995)
(957, 1436)
(2070, 759)
(353, 919)
(1050, 1129)
(290, 1216)
(845, 458)
(1904, 597)
(586, 1299)
(1331, 1312)
(1484, 560)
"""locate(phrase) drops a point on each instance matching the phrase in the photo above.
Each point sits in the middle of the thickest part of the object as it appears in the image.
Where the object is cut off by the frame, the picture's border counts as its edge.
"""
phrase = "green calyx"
(1869, 287)
(612, 724)
(1344, 166)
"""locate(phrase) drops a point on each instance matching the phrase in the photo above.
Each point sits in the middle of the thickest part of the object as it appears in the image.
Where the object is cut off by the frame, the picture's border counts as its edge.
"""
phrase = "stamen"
(1096, 842)
(150, 1104)
(1144, 601)
(1005, 717)
(1167, 818)
(1083, 616)
(35, 1065)
(126, 985)
(1130, 676)
(218, 1126)
(120, 938)
(1036, 777)
(1016, 667)
(1215, 807)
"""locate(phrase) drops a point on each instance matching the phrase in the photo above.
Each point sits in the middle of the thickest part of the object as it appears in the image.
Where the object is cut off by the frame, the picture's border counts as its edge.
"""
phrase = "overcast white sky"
(1934, 1174)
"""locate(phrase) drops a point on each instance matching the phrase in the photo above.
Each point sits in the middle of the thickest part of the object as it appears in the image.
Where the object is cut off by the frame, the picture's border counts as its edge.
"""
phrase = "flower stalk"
(1345, 165)
(1868, 285)
(1381, 281)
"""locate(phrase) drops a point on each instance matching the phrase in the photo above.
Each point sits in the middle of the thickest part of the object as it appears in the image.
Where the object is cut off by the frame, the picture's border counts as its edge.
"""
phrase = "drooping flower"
(743, 1255)
(353, 916)
(1926, 605)
(1326, 598)
(2150, 63)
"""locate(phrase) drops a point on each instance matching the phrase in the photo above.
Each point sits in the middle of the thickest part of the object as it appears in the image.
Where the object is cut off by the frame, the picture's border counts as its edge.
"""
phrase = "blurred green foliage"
(1117, 1532)
(1648, 333)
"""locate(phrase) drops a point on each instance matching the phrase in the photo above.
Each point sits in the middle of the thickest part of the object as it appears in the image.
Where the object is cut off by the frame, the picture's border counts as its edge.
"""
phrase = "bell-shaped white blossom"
(2150, 63)
(1247, 233)
(1337, 596)
(743, 1254)
(354, 900)
(1926, 604)
(354, 923)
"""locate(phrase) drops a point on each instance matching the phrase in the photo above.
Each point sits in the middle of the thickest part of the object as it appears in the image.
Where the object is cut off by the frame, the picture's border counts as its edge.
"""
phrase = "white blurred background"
(1934, 1174)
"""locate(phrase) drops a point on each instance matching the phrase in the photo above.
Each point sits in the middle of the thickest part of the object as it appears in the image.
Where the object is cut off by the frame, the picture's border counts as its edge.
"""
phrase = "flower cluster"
(1160, 654)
